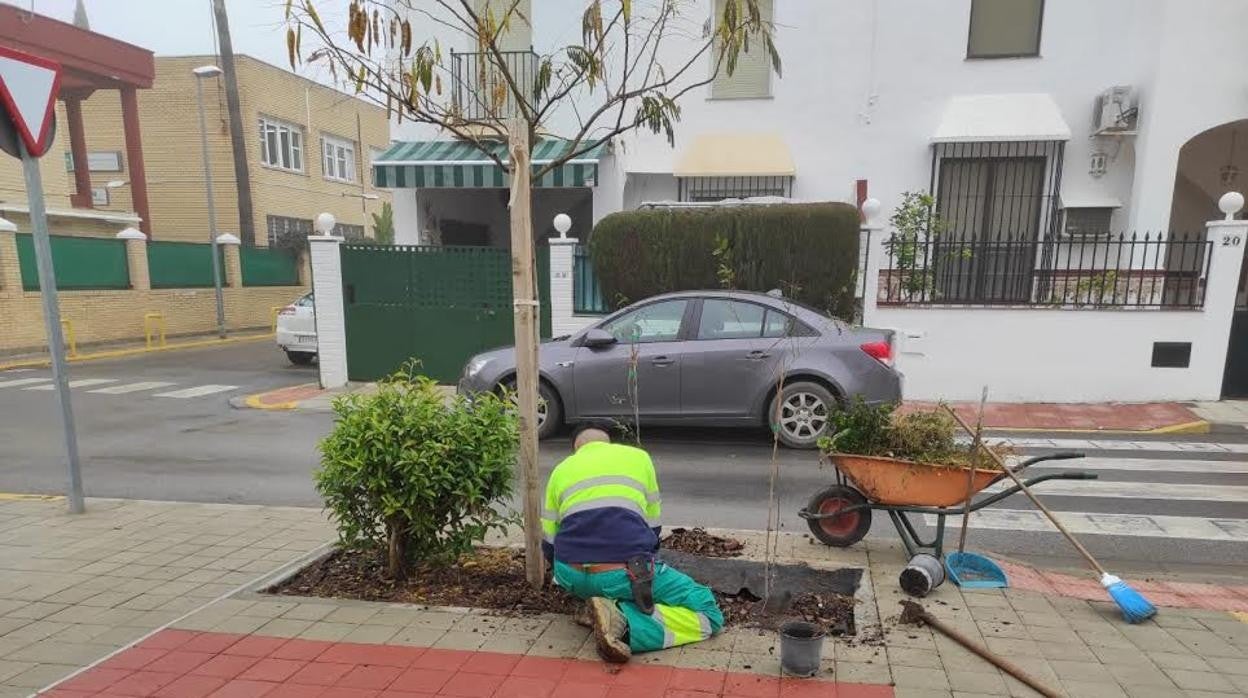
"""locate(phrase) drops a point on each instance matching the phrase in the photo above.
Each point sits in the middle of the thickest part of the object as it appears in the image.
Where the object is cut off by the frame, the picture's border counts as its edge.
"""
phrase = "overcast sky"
(180, 27)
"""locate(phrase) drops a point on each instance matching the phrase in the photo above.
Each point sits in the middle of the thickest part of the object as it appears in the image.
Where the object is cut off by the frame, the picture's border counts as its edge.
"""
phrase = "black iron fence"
(1136, 271)
(479, 86)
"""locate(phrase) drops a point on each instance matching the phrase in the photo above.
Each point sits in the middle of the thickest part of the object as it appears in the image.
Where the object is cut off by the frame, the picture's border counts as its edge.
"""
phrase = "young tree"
(618, 77)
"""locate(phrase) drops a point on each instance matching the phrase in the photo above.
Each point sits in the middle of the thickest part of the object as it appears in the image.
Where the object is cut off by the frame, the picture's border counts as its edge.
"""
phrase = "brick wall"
(109, 316)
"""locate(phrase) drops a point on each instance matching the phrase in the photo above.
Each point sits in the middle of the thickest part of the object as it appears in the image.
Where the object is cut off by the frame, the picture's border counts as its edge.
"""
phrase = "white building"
(1029, 120)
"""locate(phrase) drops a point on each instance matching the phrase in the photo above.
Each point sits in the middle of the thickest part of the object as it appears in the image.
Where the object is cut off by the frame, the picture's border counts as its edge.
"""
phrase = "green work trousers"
(684, 611)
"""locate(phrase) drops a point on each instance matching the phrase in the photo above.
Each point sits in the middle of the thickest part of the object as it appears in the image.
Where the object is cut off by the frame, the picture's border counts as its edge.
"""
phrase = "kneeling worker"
(601, 527)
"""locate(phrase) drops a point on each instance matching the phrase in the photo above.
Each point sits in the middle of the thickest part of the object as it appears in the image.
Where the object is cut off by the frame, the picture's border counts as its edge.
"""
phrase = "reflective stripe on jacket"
(602, 505)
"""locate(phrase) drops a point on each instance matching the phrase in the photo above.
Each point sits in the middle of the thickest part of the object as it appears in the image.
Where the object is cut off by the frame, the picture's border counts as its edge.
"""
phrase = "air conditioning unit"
(1115, 111)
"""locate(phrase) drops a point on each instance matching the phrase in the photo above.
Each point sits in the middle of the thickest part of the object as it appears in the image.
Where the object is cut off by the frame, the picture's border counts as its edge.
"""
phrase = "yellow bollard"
(274, 311)
(71, 342)
(154, 325)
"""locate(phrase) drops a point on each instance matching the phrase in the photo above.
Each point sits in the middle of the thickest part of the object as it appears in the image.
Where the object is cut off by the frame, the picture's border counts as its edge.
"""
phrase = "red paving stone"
(1083, 417)
(179, 664)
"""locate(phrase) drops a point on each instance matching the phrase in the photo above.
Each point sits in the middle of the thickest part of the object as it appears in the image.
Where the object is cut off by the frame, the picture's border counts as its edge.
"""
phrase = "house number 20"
(1232, 240)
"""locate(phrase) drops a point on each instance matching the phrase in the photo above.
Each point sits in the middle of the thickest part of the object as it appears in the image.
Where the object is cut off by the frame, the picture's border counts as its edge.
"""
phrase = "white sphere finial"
(228, 239)
(131, 233)
(1231, 203)
(563, 223)
(325, 223)
(870, 209)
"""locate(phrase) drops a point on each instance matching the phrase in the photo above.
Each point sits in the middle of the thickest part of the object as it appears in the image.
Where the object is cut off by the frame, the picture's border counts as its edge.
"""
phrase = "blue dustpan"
(971, 571)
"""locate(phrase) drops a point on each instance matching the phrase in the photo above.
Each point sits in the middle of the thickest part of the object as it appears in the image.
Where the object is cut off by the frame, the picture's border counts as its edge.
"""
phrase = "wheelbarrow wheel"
(844, 530)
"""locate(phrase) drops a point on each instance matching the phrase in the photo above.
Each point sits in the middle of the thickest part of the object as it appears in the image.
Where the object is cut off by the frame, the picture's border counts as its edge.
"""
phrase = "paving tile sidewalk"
(252, 644)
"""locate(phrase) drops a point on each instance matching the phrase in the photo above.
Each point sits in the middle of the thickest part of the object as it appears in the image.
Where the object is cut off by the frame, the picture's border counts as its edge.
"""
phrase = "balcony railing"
(1136, 271)
(480, 90)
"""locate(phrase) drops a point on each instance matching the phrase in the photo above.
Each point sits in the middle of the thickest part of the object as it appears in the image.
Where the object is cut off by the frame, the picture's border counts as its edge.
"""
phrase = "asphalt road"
(182, 441)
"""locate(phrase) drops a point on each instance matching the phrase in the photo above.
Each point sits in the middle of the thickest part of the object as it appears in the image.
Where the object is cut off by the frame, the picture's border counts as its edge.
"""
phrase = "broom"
(1135, 608)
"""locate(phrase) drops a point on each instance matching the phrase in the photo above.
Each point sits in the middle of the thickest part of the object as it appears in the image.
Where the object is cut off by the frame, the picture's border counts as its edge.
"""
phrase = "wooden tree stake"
(524, 300)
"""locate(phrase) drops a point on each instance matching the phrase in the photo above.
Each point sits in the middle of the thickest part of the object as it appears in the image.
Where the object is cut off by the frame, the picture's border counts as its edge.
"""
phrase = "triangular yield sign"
(28, 89)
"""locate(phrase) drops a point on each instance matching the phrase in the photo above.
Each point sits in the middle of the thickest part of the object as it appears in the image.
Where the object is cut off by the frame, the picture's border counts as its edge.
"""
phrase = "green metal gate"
(440, 305)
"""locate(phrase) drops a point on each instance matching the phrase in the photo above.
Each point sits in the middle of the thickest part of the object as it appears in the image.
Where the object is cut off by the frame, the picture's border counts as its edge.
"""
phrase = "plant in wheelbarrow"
(884, 456)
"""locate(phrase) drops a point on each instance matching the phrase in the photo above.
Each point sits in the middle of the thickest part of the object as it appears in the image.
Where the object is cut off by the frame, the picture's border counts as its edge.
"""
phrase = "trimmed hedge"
(810, 251)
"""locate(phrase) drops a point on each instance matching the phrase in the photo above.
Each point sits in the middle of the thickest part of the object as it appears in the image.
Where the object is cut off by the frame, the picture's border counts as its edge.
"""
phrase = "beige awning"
(736, 155)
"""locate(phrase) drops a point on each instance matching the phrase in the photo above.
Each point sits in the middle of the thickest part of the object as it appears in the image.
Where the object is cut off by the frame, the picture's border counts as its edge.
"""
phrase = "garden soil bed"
(493, 578)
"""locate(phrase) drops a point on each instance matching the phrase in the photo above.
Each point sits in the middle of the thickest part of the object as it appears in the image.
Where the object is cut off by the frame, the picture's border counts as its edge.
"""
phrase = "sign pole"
(52, 320)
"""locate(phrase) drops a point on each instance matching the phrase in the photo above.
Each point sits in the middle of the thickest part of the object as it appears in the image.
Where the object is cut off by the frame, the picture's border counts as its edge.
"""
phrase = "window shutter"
(519, 36)
(1003, 28)
(752, 77)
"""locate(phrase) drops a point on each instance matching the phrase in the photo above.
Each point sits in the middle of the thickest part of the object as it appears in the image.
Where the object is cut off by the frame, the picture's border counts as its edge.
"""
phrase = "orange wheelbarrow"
(840, 515)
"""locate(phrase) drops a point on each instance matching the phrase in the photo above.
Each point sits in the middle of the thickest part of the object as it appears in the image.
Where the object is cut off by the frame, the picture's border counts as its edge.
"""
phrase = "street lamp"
(563, 223)
(202, 73)
(325, 223)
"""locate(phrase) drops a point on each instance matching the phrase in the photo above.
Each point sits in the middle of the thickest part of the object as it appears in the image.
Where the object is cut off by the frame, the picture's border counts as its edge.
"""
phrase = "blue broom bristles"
(1135, 608)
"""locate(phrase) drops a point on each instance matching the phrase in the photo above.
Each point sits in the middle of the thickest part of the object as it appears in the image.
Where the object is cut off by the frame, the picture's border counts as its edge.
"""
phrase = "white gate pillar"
(1227, 239)
(331, 327)
(561, 278)
(871, 244)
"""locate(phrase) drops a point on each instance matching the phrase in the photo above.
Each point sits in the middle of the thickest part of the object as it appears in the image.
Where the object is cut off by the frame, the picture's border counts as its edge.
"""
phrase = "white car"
(296, 330)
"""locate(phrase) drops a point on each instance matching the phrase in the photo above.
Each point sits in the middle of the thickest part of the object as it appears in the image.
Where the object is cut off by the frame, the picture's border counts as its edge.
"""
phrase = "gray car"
(705, 358)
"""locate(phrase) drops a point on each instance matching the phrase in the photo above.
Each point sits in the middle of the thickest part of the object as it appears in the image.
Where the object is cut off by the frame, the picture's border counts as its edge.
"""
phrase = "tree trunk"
(238, 141)
(396, 531)
(524, 301)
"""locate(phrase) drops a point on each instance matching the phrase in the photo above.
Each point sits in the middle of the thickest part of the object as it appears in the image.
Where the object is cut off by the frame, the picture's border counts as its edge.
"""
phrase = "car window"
(778, 324)
(657, 322)
(724, 319)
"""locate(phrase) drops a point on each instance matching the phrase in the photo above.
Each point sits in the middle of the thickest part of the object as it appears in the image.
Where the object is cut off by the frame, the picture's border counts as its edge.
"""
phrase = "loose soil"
(493, 578)
(697, 541)
(488, 578)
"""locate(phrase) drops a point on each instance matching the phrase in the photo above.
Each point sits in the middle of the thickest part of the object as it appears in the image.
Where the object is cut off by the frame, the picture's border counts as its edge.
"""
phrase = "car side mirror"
(596, 339)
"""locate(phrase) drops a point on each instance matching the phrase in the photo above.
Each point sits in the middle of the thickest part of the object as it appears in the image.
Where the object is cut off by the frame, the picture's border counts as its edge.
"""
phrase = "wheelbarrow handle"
(1078, 475)
(1064, 455)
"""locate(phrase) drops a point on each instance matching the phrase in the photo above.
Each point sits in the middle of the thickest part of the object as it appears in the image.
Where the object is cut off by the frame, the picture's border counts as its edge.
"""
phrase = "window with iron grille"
(994, 201)
(283, 225)
(346, 231)
(1004, 28)
(720, 188)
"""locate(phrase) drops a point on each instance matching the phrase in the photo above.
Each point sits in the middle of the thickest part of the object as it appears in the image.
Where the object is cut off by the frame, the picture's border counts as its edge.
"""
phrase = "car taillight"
(880, 351)
(288, 310)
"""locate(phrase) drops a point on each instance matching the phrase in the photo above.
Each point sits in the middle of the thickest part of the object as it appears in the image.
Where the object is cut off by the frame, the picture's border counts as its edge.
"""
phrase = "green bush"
(809, 251)
(412, 472)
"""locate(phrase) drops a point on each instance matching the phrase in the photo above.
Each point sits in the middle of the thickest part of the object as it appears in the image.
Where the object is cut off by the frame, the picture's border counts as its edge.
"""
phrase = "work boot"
(610, 626)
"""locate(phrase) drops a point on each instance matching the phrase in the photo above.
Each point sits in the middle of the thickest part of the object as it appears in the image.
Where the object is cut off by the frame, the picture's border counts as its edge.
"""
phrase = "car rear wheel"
(846, 529)
(549, 410)
(300, 358)
(802, 415)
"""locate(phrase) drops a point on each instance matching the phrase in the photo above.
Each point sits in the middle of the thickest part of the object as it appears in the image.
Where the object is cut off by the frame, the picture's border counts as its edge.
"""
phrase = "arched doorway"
(1210, 164)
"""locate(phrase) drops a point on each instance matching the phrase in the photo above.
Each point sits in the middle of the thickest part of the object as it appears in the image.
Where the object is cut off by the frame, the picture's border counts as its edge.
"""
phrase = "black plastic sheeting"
(731, 576)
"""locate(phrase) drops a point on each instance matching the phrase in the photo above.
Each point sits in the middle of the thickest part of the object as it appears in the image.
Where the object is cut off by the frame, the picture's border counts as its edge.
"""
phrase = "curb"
(119, 353)
(284, 398)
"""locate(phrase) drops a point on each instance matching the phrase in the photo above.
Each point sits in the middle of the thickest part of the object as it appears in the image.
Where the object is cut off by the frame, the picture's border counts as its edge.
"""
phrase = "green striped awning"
(459, 164)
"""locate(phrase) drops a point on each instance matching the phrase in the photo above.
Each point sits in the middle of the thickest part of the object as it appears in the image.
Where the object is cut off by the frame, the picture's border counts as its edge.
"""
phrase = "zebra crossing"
(1135, 488)
(20, 380)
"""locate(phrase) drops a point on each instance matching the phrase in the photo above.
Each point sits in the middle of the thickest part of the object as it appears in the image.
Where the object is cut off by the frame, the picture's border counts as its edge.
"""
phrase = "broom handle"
(970, 475)
(1022, 487)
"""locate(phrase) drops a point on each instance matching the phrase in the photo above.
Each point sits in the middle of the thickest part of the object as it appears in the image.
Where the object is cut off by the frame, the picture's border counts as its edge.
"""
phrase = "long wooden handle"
(970, 474)
(1017, 481)
(998, 661)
